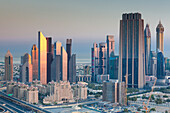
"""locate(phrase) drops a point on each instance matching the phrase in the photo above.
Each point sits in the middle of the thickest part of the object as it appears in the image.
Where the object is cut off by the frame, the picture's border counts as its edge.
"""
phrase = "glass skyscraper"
(132, 50)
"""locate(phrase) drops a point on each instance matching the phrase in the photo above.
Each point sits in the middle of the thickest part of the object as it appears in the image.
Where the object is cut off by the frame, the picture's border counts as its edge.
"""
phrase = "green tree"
(125, 110)
(152, 109)
(165, 96)
(97, 95)
(158, 101)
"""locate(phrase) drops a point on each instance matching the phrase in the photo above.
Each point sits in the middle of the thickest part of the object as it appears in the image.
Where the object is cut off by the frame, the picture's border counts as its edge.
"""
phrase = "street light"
(126, 78)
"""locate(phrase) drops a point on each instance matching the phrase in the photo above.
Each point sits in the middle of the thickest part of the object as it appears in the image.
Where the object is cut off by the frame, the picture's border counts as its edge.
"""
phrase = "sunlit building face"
(42, 61)
(57, 48)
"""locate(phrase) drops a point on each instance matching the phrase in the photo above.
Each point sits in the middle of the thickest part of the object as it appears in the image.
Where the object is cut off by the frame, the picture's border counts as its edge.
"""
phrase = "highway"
(15, 105)
(69, 105)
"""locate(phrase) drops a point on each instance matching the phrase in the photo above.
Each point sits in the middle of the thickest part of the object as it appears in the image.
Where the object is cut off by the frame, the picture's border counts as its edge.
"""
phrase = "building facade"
(114, 65)
(114, 91)
(147, 35)
(26, 72)
(160, 66)
(42, 58)
(72, 69)
(110, 48)
(34, 56)
(64, 64)
(160, 38)
(132, 50)
(8, 66)
(49, 58)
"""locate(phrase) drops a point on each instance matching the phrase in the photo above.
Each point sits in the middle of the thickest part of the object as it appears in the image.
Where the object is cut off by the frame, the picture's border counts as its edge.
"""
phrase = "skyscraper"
(42, 58)
(34, 56)
(49, 58)
(64, 64)
(56, 68)
(72, 69)
(99, 60)
(8, 66)
(68, 50)
(160, 38)
(113, 65)
(110, 48)
(26, 75)
(94, 61)
(102, 58)
(160, 65)
(132, 50)
(147, 36)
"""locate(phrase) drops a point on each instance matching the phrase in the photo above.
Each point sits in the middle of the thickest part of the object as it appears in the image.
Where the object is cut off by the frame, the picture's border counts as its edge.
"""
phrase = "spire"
(8, 54)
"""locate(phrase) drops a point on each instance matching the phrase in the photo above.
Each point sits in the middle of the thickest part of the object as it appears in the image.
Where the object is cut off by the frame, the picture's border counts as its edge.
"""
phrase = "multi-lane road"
(14, 105)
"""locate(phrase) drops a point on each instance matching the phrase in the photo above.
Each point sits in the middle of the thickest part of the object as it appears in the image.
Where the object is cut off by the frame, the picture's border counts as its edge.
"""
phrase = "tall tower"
(102, 58)
(94, 61)
(160, 38)
(132, 50)
(68, 50)
(110, 48)
(26, 69)
(49, 58)
(42, 58)
(8, 66)
(147, 36)
(34, 56)
(64, 63)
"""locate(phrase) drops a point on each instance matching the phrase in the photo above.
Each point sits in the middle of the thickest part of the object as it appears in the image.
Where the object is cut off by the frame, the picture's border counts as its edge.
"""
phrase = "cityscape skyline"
(89, 26)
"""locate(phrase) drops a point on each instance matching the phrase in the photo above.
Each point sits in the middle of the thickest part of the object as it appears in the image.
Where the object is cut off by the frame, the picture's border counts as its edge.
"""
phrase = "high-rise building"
(8, 66)
(57, 48)
(26, 73)
(56, 68)
(34, 56)
(160, 38)
(99, 60)
(68, 50)
(114, 91)
(72, 68)
(102, 58)
(167, 64)
(160, 65)
(64, 64)
(42, 58)
(49, 58)
(110, 48)
(147, 35)
(153, 62)
(114, 64)
(94, 61)
(132, 50)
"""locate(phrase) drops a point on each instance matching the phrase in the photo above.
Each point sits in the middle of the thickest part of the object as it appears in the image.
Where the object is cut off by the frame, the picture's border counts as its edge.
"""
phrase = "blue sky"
(85, 21)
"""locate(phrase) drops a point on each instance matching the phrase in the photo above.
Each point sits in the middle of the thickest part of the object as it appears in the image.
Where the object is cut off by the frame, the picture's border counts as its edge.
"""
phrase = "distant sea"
(18, 60)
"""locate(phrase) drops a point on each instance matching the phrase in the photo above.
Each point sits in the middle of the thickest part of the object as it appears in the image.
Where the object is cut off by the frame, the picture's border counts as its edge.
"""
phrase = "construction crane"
(146, 105)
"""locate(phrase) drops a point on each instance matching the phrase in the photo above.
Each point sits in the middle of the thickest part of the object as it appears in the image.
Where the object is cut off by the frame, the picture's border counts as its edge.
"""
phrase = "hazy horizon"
(85, 22)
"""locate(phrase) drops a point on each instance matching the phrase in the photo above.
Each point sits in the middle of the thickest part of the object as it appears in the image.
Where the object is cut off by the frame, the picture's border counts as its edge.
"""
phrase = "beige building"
(59, 92)
(8, 66)
(23, 92)
(34, 56)
(32, 95)
(80, 91)
(10, 87)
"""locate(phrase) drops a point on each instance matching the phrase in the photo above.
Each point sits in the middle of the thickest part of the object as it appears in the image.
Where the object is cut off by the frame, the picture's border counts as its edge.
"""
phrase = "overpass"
(16, 105)
(69, 105)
